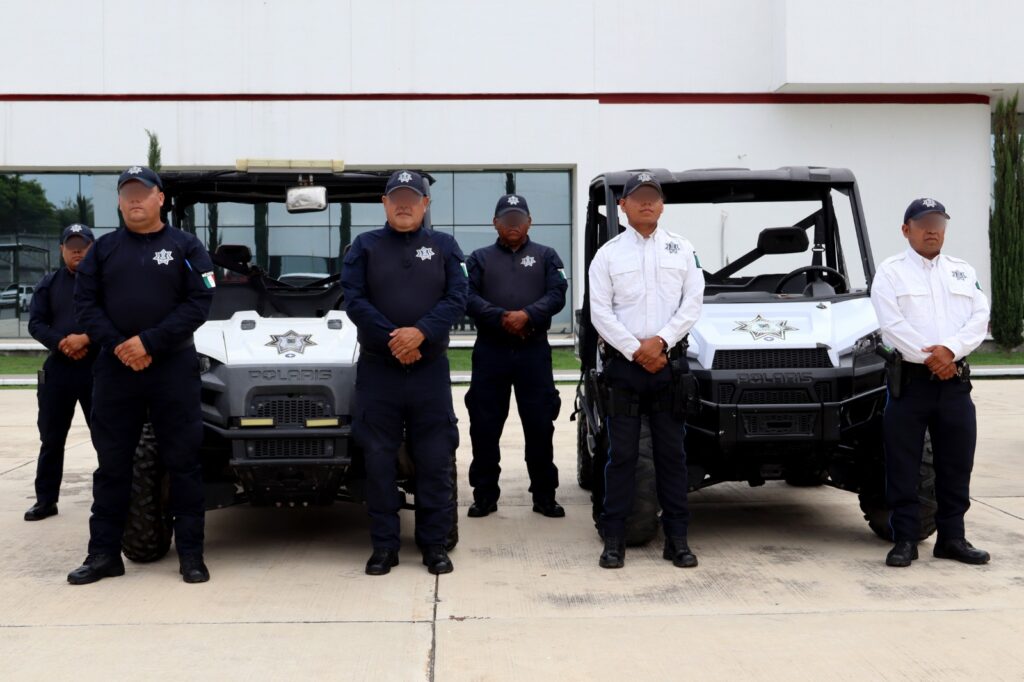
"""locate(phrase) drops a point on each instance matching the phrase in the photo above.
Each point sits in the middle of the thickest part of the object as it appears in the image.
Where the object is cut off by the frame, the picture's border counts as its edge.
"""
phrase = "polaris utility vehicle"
(277, 354)
(790, 384)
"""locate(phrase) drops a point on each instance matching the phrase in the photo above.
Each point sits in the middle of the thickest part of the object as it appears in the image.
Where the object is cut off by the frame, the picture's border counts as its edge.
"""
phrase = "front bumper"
(796, 407)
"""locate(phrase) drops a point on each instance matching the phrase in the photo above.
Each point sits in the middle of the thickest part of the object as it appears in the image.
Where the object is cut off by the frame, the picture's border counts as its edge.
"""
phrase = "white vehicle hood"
(248, 339)
(783, 324)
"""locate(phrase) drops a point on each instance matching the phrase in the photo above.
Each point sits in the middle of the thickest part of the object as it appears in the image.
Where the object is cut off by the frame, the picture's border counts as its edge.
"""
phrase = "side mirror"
(777, 240)
(306, 199)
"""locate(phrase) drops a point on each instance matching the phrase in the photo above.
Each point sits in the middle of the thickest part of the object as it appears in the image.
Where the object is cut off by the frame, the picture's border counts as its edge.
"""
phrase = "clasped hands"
(651, 354)
(133, 354)
(405, 344)
(940, 362)
(516, 323)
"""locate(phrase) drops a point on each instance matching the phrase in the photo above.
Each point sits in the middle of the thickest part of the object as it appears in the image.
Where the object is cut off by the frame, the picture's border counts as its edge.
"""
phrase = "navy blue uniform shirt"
(530, 279)
(397, 279)
(150, 285)
(52, 311)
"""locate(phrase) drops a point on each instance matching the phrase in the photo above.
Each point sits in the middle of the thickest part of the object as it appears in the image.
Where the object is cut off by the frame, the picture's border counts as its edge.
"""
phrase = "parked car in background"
(19, 295)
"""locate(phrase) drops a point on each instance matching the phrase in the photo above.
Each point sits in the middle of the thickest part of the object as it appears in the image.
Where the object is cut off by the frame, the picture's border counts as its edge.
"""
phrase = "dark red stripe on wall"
(603, 98)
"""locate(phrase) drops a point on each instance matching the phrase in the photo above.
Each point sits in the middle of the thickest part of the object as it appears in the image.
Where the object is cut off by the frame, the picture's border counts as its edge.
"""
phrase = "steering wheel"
(840, 284)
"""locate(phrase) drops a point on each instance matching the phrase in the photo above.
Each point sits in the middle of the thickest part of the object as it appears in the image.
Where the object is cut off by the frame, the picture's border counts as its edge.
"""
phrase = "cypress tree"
(1006, 229)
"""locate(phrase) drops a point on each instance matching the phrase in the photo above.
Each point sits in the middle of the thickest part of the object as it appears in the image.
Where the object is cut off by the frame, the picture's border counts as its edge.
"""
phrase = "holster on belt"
(893, 367)
(686, 390)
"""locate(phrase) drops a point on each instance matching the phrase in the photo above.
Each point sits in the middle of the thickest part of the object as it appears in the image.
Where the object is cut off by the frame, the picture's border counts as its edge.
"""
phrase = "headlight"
(205, 364)
(866, 345)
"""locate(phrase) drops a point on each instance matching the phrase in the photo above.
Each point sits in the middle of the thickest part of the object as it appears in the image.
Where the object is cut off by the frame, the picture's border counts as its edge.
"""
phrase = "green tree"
(1006, 228)
(24, 208)
(153, 156)
(78, 210)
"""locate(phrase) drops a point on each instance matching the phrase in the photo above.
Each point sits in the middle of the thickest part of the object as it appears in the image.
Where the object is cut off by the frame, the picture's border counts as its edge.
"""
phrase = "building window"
(35, 207)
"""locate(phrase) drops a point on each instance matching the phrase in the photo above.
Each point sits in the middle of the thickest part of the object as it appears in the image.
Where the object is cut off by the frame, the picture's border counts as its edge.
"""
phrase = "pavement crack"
(23, 464)
(992, 506)
(217, 623)
(432, 662)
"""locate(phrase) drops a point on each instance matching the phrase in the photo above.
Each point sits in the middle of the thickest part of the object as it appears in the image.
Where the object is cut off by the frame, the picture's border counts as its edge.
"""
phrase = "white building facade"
(537, 95)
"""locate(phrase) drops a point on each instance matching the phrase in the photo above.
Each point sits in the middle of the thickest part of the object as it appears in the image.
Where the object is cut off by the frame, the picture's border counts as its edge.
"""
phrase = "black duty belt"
(388, 359)
(914, 370)
(608, 352)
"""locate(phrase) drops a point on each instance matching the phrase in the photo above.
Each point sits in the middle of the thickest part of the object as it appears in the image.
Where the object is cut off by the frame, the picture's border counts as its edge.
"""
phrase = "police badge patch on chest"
(527, 261)
(672, 247)
(424, 253)
(959, 275)
(163, 257)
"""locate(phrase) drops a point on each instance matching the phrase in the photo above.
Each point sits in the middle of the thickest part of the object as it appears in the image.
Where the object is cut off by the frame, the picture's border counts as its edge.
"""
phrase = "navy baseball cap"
(920, 207)
(77, 230)
(641, 179)
(406, 179)
(147, 176)
(510, 203)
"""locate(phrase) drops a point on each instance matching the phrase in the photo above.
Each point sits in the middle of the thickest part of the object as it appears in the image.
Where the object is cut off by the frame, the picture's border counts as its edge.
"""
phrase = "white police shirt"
(923, 302)
(641, 288)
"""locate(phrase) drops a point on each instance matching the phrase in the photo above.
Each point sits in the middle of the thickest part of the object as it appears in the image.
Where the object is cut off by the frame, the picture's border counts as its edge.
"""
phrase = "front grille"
(775, 358)
(775, 397)
(725, 393)
(778, 424)
(290, 411)
(282, 448)
(824, 391)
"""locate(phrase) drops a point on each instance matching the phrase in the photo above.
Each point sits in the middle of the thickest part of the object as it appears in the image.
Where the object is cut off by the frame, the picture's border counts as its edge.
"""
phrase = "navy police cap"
(641, 179)
(405, 179)
(510, 203)
(77, 230)
(147, 176)
(920, 207)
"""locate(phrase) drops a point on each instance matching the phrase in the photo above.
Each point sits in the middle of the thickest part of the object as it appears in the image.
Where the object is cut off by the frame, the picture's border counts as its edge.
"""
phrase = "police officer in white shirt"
(931, 309)
(646, 291)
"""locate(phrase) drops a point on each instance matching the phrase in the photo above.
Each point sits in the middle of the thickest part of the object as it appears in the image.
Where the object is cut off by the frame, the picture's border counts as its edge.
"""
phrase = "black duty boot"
(902, 554)
(678, 552)
(960, 550)
(481, 508)
(435, 558)
(38, 511)
(97, 567)
(382, 561)
(192, 568)
(549, 508)
(614, 554)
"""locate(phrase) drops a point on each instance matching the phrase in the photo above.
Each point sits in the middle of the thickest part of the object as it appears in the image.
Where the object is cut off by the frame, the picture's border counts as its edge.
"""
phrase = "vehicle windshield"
(725, 234)
(299, 247)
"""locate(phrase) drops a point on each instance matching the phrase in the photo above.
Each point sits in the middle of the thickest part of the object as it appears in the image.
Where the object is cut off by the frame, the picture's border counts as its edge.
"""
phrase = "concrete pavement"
(791, 586)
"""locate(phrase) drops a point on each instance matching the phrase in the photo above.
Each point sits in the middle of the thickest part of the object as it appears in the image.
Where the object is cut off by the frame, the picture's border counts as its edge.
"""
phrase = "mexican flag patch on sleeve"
(208, 280)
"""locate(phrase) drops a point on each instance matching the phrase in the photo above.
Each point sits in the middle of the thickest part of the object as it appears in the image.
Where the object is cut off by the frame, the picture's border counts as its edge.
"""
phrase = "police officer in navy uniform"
(66, 378)
(646, 292)
(515, 287)
(141, 293)
(405, 286)
(932, 310)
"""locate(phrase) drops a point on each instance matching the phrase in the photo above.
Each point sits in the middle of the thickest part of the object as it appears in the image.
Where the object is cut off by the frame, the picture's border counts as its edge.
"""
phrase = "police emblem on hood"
(291, 342)
(761, 328)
